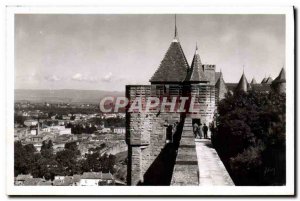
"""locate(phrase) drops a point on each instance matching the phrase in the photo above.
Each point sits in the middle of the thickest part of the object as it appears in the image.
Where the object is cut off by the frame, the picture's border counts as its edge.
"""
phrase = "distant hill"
(63, 95)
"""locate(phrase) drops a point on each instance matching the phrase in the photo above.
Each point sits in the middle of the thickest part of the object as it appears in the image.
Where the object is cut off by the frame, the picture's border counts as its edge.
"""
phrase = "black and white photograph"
(193, 101)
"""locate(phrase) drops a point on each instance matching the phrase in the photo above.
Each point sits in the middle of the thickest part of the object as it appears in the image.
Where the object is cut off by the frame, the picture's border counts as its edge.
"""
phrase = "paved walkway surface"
(212, 171)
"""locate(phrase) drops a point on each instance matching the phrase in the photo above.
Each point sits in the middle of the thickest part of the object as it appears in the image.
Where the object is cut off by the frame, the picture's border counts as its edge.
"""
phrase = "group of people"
(200, 131)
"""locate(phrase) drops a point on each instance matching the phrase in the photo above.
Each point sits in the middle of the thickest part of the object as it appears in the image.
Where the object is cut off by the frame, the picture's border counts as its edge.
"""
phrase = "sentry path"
(211, 169)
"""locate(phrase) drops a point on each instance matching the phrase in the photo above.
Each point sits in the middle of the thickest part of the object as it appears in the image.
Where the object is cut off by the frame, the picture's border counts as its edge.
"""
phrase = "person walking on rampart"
(205, 129)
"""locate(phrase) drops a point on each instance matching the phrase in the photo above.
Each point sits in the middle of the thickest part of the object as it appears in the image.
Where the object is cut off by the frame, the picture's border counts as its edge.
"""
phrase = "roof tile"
(173, 67)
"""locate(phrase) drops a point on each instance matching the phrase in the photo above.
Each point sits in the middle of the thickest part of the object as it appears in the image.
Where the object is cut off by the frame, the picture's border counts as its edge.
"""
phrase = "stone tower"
(253, 81)
(264, 80)
(279, 84)
(151, 149)
(269, 80)
(201, 82)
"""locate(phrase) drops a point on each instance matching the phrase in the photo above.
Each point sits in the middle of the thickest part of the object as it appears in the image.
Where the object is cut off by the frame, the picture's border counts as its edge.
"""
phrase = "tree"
(26, 159)
(47, 149)
(250, 137)
(49, 168)
(30, 149)
(20, 161)
(72, 146)
(67, 160)
(107, 163)
(91, 163)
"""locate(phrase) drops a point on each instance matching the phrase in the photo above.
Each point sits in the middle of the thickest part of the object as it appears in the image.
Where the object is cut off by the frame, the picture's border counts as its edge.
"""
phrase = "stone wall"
(150, 158)
(186, 171)
(210, 73)
(146, 139)
(204, 103)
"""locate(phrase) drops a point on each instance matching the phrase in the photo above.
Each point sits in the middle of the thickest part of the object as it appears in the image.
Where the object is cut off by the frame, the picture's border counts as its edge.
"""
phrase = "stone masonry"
(154, 156)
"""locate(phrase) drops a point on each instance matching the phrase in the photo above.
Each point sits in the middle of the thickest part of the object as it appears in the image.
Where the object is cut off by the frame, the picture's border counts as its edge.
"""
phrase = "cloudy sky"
(106, 52)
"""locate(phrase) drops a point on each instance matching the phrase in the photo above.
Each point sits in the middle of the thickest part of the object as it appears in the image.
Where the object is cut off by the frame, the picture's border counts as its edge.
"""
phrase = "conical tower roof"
(243, 84)
(196, 73)
(174, 65)
(269, 80)
(221, 86)
(264, 80)
(253, 81)
(281, 76)
(220, 81)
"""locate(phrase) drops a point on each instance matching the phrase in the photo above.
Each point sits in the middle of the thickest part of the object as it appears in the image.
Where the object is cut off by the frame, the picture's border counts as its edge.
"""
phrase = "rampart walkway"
(197, 162)
(211, 169)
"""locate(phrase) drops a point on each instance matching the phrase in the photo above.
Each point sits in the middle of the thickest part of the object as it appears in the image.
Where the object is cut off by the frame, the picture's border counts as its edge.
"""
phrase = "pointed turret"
(196, 73)
(279, 84)
(281, 76)
(243, 84)
(174, 66)
(269, 80)
(221, 88)
(253, 81)
(264, 80)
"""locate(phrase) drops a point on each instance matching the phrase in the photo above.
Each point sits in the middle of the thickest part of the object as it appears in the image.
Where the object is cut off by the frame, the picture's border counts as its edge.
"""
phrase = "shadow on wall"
(161, 170)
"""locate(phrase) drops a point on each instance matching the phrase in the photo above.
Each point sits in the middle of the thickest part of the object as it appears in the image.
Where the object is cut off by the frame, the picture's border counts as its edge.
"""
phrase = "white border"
(155, 190)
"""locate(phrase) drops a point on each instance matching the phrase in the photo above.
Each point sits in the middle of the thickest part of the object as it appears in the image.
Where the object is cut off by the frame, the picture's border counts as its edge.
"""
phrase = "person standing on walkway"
(205, 129)
(200, 134)
(196, 129)
(169, 129)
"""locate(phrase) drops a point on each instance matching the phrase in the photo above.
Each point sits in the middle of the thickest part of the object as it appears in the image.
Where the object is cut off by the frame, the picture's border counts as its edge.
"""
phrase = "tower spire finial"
(243, 69)
(176, 33)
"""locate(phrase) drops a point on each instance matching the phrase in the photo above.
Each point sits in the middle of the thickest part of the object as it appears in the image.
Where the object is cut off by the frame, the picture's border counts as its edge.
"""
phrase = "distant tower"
(279, 84)
(221, 88)
(243, 84)
(264, 80)
(201, 82)
(253, 81)
(269, 80)
(38, 128)
(196, 73)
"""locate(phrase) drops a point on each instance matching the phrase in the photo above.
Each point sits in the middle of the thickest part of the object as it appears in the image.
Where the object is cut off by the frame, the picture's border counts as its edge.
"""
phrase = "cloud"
(31, 77)
(107, 77)
(77, 77)
(52, 78)
(84, 78)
